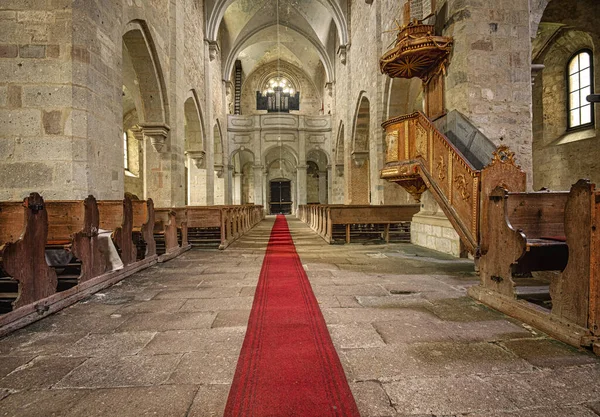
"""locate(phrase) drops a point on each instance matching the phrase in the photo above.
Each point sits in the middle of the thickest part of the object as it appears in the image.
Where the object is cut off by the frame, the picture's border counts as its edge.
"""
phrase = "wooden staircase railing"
(419, 157)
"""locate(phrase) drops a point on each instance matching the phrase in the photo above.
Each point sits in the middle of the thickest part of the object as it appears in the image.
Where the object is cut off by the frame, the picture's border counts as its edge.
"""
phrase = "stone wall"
(61, 117)
(562, 156)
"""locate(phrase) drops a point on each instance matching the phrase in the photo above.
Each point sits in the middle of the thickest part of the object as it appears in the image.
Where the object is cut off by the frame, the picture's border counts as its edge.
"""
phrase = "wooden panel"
(111, 214)
(65, 218)
(86, 244)
(570, 291)
(203, 217)
(372, 214)
(594, 310)
(12, 221)
(140, 213)
(434, 97)
(538, 214)
(24, 259)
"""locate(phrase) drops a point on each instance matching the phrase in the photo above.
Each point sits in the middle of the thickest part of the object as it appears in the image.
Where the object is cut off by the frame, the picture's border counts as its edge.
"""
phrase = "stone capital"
(197, 157)
(213, 49)
(360, 157)
(342, 52)
(157, 133)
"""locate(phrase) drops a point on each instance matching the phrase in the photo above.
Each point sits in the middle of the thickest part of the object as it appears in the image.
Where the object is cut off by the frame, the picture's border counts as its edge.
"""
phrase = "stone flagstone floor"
(165, 341)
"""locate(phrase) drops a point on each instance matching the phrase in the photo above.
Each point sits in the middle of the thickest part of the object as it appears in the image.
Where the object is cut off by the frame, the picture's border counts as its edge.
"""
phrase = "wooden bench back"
(372, 214)
(65, 219)
(13, 216)
(198, 216)
(140, 213)
(162, 217)
(539, 214)
(111, 214)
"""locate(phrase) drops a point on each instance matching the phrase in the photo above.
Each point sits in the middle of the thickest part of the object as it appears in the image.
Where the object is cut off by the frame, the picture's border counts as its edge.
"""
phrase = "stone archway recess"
(359, 186)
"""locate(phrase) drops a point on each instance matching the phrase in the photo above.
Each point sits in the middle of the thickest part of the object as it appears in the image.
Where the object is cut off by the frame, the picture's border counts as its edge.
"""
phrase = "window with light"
(580, 85)
(125, 151)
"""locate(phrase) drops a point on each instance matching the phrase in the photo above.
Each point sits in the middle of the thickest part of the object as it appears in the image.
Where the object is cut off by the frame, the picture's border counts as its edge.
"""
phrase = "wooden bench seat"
(545, 231)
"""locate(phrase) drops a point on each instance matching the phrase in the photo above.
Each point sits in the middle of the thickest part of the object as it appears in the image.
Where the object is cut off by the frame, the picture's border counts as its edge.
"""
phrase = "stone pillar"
(489, 77)
(329, 184)
(210, 50)
(300, 185)
(259, 180)
(323, 187)
(157, 164)
(237, 188)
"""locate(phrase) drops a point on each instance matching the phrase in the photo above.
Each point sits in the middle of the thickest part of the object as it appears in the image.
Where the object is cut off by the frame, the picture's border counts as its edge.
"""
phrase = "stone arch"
(242, 161)
(195, 166)
(241, 44)
(215, 16)
(359, 186)
(219, 164)
(139, 46)
(317, 174)
(339, 168)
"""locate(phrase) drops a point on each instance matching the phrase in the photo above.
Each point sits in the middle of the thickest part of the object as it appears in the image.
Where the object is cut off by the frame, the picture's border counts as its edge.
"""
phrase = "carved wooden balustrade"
(419, 157)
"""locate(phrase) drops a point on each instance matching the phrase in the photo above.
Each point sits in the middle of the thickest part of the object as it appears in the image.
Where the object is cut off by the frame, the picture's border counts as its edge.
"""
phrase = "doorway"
(281, 197)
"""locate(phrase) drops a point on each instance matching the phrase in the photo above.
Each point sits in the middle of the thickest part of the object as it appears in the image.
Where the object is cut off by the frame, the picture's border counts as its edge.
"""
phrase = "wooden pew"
(525, 233)
(338, 223)
(143, 228)
(546, 231)
(73, 226)
(166, 232)
(219, 226)
(207, 227)
(117, 216)
(181, 217)
(23, 233)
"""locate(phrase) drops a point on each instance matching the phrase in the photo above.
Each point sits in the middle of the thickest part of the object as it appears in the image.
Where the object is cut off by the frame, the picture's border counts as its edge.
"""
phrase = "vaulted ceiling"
(258, 32)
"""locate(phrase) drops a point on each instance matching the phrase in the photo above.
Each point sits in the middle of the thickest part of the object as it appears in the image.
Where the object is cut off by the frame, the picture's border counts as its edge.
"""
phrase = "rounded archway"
(359, 186)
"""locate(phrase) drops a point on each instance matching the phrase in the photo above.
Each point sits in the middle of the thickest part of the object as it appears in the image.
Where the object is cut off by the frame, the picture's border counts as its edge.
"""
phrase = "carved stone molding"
(536, 69)
(213, 49)
(157, 133)
(137, 132)
(342, 52)
(360, 157)
(219, 169)
(197, 157)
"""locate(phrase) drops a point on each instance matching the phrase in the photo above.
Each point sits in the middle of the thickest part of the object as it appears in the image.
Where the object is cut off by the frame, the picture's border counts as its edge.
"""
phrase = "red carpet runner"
(288, 365)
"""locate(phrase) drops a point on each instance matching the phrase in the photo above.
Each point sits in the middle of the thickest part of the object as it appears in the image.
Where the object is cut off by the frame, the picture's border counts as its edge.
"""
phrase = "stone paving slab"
(166, 340)
(210, 401)
(129, 371)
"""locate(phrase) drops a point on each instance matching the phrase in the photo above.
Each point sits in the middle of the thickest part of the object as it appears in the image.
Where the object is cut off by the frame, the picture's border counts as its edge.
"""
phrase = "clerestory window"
(580, 83)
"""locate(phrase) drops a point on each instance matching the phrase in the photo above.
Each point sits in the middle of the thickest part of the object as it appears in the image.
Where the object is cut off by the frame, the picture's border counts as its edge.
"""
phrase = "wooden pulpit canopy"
(418, 52)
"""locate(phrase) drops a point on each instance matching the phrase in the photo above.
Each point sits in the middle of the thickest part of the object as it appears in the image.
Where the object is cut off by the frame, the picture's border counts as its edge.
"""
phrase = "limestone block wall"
(489, 77)
(61, 117)
(431, 229)
(562, 156)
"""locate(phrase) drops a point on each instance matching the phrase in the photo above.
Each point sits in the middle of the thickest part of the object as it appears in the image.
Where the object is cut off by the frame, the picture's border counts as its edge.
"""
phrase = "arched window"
(278, 95)
(580, 75)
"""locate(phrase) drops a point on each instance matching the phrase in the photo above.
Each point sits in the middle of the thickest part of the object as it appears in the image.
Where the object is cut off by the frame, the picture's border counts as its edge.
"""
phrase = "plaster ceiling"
(258, 32)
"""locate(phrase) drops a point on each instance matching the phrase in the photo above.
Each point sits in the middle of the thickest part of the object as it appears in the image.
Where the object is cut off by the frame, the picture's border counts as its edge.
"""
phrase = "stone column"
(300, 185)
(259, 179)
(237, 188)
(323, 187)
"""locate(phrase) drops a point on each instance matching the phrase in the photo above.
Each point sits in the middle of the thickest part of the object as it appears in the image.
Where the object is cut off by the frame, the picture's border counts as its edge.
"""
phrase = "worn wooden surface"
(143, 220)
(23, 258)
(570, 290)
(166, 224)
(117, 216)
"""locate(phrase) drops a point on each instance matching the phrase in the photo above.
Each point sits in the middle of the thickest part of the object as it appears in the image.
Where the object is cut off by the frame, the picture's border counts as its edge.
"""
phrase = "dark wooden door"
(281, 197)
